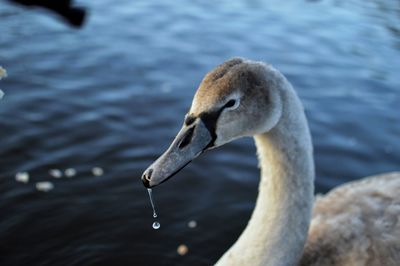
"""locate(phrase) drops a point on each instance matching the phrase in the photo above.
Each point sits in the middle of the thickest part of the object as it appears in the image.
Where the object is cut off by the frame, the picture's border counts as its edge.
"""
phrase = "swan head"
(238, 98)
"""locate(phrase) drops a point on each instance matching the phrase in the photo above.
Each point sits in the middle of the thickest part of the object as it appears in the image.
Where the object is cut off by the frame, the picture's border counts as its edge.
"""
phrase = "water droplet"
(152, 202)
(156, 225)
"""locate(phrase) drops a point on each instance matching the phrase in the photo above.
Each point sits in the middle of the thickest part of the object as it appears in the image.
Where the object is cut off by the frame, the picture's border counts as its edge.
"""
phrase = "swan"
(355, 224)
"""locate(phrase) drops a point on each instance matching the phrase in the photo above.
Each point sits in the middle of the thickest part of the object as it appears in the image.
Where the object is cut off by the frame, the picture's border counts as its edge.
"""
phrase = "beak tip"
(146, 178)
(146, 183)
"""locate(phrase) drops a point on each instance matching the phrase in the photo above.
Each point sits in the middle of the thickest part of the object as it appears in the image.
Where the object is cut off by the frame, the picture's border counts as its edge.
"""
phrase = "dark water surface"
(114, 94)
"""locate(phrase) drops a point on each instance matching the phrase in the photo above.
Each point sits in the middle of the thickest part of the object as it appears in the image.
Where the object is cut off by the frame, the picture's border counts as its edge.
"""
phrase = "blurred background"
(110, 89)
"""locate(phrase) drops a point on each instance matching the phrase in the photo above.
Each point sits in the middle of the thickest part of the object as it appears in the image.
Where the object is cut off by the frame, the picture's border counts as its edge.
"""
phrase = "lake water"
(113, 95)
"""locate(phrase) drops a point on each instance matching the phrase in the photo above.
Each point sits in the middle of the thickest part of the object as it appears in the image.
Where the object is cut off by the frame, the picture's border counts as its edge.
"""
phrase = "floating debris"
(55, 173)
(1, 94)
(97, 171)
(70, 172)
(22, 177)
(182, 249)
(192, 224)
(44, 186)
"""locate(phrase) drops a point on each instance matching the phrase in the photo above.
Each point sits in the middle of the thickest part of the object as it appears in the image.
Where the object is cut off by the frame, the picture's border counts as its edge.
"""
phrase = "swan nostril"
(148, 174)
(146, 177)
(187, 138)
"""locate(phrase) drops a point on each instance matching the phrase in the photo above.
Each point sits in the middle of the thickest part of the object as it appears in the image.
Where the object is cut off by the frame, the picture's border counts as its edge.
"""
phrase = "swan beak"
(190, 142)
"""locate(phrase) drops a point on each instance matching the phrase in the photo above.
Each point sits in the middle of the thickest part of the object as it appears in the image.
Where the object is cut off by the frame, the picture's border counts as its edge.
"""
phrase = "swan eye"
(232, 104)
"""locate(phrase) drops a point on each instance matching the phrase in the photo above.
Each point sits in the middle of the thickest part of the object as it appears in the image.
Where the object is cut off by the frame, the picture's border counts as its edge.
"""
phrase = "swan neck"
(285, 199)
(278, 228)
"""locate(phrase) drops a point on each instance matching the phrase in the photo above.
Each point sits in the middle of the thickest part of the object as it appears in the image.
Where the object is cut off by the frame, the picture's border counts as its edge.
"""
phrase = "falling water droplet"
(152, 202)
(156, 225)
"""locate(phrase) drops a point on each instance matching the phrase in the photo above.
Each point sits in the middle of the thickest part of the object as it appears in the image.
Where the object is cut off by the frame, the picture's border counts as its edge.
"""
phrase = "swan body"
(355, 224)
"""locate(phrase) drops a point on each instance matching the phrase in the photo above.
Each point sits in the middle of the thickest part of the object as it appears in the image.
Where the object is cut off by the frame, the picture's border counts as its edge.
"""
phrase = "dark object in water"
(75, 16)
